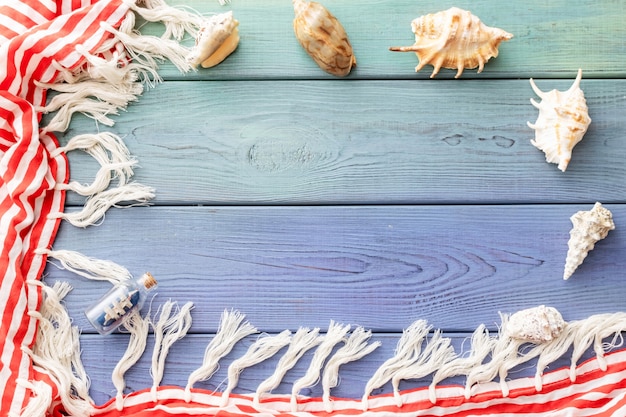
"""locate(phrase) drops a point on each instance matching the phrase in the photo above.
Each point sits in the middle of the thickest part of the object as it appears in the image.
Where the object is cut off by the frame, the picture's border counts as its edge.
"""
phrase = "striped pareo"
(69, 46)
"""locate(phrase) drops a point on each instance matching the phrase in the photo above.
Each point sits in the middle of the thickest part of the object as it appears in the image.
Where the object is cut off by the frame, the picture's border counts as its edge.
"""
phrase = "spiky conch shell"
(537, 325)
(563, 121)
(454, 39)
(216, 40)
(589, 227)
(323, 38)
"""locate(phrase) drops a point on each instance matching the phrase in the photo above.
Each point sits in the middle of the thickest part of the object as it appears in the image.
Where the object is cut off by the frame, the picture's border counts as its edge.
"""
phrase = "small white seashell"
(537, 325)
(589, 227)
(217, 39)
(562, 122)
(323, 38)
(454, 39)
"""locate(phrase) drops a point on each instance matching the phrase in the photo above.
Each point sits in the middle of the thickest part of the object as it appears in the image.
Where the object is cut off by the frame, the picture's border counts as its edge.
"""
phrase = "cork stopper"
(148, 281)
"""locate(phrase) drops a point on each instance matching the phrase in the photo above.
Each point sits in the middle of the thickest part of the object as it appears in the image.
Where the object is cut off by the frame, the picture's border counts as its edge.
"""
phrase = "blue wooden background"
(375, 200)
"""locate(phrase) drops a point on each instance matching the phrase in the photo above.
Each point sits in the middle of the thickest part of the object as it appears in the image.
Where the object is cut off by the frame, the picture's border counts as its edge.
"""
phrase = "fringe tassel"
(112, 155)
(231, 330)
(96, 206)
(302, 341)
(336, 333)
(263, 349)
(138, 328)
(40, 403)
(406, 351)
(57, 350)
(481, 346)
(437, 352)
(354, 349)
(168, 329)
(90, 268)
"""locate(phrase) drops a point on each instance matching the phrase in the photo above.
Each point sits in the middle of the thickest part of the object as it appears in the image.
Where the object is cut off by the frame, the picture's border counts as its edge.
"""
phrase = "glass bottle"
(108, 313)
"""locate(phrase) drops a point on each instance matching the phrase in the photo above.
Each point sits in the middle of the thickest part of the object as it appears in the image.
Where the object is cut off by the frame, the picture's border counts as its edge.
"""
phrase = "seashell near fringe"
(589, 227)
(216, 40)
(563, 121)
(323, 38)
(453, 39)
(536, 325)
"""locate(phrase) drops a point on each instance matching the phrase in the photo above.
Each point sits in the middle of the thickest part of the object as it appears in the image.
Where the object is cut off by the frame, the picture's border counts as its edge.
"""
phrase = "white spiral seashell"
(563, 121)
(536, 325)
(454, 39)
(589, 227)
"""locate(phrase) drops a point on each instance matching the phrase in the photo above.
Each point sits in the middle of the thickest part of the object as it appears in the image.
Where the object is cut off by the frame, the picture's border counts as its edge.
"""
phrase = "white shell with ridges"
(537, 325)
(454, 39)
(563, 121)
(589, 227)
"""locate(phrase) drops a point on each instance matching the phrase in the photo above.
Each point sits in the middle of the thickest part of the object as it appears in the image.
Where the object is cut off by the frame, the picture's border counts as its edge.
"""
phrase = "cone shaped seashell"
(562, 122)
(454, 39)
(216, 40)
(323, 38)
(537, 325)
(589, 227)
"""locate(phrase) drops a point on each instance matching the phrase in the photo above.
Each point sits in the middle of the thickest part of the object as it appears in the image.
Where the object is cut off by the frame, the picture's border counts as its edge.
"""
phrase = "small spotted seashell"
(454, 39)
(562, 122)
(588, 228)
(216, 39)
(323, 38)
(536, 325)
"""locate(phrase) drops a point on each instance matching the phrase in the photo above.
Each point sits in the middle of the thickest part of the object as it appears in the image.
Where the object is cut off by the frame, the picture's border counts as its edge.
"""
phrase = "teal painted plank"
(551, 38)
(323, 142)
(186, 356)
(381, 267)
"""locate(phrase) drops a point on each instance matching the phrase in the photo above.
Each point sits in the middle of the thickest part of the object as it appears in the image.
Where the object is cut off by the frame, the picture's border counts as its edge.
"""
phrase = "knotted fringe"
(90, 268)
(302, 341)
(57, 353)
(336, 333)
(230, 331)
(354, 349)
(264, 348)
(138, 328)
(167, 330)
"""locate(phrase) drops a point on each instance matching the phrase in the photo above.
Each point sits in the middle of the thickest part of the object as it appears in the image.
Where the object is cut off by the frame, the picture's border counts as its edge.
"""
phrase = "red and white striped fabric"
(36, 39)
(33, 35)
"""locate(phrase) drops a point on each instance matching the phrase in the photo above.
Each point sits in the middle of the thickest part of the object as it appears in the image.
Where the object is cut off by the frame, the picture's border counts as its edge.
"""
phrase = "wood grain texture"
(380, 267)
(362, 142)
(551, 39)
(186, 356)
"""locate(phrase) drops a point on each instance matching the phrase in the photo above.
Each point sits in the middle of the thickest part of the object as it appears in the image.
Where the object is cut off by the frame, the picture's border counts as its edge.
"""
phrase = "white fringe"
(112, 155)
(90, 268)
(176, 20)
(167, 330)
(40, 403)
(481, 346)
(57, 350)
(437, 352)
(138, 328)
(354, 349)
(263, 349)
(230, 331)
(406, 351)
(302, 341)
(336, 333)
(96, 206)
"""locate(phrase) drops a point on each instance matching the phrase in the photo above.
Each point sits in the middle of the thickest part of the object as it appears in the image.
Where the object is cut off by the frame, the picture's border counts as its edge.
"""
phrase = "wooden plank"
(381, 267)
(379, 142)
(551, 39)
